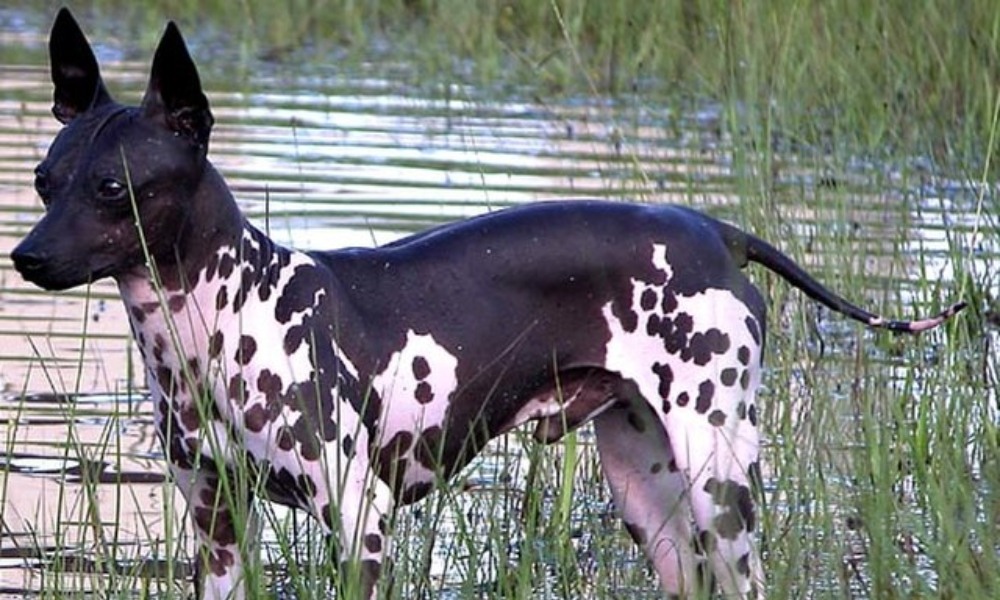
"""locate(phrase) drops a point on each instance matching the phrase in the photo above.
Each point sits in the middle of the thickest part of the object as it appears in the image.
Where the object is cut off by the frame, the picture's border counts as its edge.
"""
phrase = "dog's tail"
(748, 248)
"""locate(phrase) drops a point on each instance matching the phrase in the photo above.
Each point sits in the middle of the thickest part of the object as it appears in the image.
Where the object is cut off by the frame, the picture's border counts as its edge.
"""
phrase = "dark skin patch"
(421, 368)
(138, 315)
(176, 303)
(752, 414)
(666, 376)
(704, 346)
(237, 390)
(717, 418)
(222, 298)
(423, 394)
(743, 355)
(647, 301)
(737, 513)
(728, 376)
(706, 392)
(215, 344)
(373, 543)
(683, 399)
(743, 565)
(220, 561)
(246, 350)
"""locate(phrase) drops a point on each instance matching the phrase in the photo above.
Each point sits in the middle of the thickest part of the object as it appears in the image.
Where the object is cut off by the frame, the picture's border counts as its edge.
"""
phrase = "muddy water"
(329, 160)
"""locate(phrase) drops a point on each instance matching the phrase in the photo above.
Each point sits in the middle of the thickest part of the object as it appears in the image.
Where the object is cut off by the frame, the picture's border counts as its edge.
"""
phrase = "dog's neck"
(218, 264)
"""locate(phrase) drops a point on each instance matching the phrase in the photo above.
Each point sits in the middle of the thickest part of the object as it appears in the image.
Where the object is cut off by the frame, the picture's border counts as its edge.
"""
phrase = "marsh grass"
(881, 476)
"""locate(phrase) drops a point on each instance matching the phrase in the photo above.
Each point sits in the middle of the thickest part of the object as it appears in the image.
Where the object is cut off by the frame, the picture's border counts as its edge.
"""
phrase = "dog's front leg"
(219, 573)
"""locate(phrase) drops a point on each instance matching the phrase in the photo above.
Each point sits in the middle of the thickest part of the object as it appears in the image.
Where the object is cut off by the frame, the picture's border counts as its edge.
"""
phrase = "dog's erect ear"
(174, 91)
(77, 79)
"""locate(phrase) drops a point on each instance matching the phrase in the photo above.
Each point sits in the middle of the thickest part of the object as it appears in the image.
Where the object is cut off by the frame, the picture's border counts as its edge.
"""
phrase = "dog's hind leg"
(649, 492)
(714, 438)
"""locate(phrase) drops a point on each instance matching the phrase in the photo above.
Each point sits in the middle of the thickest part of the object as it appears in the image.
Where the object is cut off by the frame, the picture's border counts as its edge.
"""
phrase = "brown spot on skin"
(247, 348)
(193, 368)
(270, 385)
(743, 355)
(222, 298)
(423, 394)
(215, 344)
(285, 439)
(220, 561)
(176, 303)
(255, 418)
(737, 514)
(159, 347)
(165, 378)
(666, 375)
(706, 391)
(137, 314)
(656, 468)
(238, 391)
(421, 368)
(211, 266)
(373, 543)
(309, 447)
(648, 299)
(717, 418)
(189, 416)
(752, 414)
(728, 377)
(217, 523)
(683, 399)
(669, 302)
(150, 307)
(741, 410)
(226, 264)
(743, 565)
(703, 346)
(745, 379)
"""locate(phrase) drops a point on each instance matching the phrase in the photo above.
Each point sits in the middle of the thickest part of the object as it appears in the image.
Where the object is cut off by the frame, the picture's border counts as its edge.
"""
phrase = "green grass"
(882, 452)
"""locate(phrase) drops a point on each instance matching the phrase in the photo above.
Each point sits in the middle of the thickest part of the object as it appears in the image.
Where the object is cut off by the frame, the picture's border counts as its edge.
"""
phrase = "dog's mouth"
(53, 275)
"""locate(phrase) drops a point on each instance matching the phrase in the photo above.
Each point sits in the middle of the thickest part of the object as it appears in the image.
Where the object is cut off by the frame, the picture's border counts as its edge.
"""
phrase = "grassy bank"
(871, 78)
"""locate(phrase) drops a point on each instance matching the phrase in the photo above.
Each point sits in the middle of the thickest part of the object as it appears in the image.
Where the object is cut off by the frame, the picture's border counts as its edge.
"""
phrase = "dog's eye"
(111, 189)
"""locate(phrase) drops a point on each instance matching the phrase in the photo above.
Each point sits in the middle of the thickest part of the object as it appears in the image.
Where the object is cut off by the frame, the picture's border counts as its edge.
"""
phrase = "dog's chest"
(236, 357)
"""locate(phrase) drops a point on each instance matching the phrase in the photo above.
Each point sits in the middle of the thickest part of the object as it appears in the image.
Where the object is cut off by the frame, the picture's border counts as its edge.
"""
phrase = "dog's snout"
(27, 260)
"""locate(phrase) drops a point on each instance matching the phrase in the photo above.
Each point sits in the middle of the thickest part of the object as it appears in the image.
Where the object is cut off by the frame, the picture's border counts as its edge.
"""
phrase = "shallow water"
(327, 158)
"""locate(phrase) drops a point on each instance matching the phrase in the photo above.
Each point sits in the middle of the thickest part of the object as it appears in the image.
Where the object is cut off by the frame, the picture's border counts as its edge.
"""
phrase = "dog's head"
(117, 180)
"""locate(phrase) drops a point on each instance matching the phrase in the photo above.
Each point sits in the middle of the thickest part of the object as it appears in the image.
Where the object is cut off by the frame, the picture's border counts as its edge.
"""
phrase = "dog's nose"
(27, 260)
